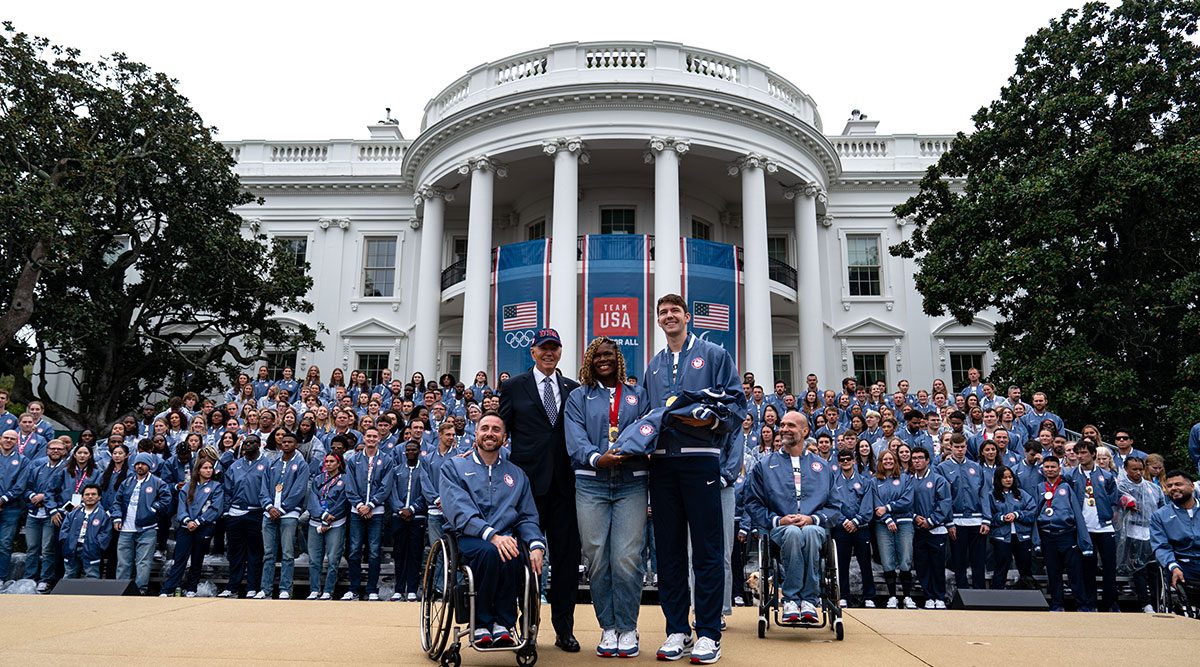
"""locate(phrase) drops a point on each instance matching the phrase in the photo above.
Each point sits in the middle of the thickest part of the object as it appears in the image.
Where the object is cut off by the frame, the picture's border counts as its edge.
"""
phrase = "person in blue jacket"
(1175, 530)
(135, 517)
(1060, 535)
(200, 503)
(84, 535)
(327, 513)
(367, 480)
(797, 515)
(968, 532)
(431, 477)
(1098, 495)
(30, 443)
(1011, 512)
(489, 506)
(14, 477)
(44, 516)
(894, 526)
(854, 496)
(407, 508)
(693, 461)
(932, 510)
(283, 496)
(243, 480)
(610, 492)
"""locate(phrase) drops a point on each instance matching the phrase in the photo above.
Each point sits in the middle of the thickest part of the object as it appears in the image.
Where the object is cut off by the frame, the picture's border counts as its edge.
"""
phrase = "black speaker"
(981, 600)
(95, 587)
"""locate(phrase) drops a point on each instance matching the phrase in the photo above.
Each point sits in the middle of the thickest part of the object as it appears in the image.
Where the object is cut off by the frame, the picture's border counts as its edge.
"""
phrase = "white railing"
(309, 155)
(453, 96)
(299, 152)
(235, 151)
(934, 147)
(616, 57)
(520, 69)
(861, 148)
(699, 63)
(380, 153)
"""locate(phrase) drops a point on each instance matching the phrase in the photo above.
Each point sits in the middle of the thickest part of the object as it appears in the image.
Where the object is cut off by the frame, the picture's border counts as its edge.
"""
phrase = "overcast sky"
(323, 70)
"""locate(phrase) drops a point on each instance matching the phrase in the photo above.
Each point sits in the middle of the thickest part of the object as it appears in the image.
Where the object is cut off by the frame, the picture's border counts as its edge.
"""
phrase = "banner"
(615, 270)
(710, 286)
(519, 300)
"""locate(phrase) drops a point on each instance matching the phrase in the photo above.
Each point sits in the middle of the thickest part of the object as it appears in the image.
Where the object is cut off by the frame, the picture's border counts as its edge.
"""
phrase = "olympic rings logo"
(519, 339)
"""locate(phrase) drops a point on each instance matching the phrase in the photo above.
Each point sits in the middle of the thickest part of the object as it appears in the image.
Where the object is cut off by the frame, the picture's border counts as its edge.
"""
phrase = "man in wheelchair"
(789, 493)
(1175, 532)
(488, 506)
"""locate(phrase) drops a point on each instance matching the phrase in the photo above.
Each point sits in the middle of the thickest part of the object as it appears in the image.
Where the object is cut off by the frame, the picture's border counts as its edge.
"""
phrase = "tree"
(122, 256)
(1071, 211)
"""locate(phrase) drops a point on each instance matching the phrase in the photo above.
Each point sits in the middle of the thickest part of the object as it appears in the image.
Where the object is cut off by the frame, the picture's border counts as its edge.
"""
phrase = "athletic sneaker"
(350, 596)
(869, 603)
(893, 603)
(791, 612)
(483, 637)
(313, 596)
(674, 647)
(929, 604)
(250, 595)
(939, 604)
(607, 648)
(909, 603)
(325, 596)
(42, 587)
(412, 597)
(843, 604)
(261, 595)
(1148, 609)
(706, 651)
(373, 597)
(808, 612)
(396, 597)
(739, 601)
(225, 593)
(163, 595)
(627, 644)
(284, 595)
(501, 636)
(190, 594)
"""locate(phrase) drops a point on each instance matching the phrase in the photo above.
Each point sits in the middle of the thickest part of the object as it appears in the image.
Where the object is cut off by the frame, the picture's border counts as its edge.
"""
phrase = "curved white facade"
(647, 138)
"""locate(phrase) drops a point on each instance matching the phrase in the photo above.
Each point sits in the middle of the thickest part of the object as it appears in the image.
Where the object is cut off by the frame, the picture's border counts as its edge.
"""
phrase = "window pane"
(277, 361)
(870, 367)
(537, 230)
(862, 259)
(379, 267)
(296, 247)
(960, 363)
(701, 230)
(616, 220)
(372, 363)
(781, 364)
(777, 248)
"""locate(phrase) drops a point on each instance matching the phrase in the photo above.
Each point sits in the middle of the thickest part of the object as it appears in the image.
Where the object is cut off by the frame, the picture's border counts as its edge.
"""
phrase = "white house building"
(653, 138)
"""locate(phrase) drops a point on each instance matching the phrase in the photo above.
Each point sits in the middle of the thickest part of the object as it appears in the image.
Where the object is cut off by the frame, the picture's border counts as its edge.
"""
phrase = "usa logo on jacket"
(631, 399)
(697, 363)
(508, 481)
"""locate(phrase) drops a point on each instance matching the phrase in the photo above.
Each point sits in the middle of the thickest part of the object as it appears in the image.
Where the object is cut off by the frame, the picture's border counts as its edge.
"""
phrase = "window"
(295, 247)
(781, 365)
(454, 364)
(277, 361)
(701, 229)
(372, 363)
(870, 367)
(862, 258)
(379, 269)
(960, 363)
(616, 220)
(458, 249)
(777, 249)
(536, 230)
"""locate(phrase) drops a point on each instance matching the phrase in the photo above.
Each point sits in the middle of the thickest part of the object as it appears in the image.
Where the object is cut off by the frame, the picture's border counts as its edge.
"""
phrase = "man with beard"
(1175, 530)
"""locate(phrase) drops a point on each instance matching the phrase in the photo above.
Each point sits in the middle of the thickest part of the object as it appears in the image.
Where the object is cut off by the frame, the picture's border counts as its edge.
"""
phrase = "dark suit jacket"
(537, 447)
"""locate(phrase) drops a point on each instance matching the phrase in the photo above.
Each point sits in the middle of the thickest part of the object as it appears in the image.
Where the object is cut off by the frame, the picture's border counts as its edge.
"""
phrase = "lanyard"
(22, 445)
(329, 485)
(80, 478)
(614, 410)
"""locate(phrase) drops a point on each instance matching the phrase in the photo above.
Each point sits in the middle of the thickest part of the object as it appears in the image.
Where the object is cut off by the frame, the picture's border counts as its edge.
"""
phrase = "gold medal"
(278, 488)
(612, 433)
(670, 400)
(1049, 511)
(1091, 502)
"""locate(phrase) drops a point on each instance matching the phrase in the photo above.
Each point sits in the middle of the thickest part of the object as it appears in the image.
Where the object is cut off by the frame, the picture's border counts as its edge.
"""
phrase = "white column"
(759, 337)
(665, 153)
(477, 293)
(809, 291)
(429, 279)
(564, 281)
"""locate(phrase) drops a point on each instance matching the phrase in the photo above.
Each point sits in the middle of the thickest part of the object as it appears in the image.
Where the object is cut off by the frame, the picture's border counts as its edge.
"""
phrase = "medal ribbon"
(614, 410)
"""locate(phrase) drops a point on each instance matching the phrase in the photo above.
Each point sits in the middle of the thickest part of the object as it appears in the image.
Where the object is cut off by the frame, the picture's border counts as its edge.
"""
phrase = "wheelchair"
(1180, 600)
(448, 608)
(770, 592)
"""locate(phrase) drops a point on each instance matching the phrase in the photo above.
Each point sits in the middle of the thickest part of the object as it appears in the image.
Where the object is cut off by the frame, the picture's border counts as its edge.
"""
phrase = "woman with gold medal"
(610, 492)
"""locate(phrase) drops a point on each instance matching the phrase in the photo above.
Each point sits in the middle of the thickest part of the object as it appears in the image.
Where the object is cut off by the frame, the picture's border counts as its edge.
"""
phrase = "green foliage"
(1071, 211)
(118, 200)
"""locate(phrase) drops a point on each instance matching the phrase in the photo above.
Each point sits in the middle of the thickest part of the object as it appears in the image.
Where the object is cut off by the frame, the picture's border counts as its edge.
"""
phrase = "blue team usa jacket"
(854, 497)
(1066, 517)
(405, 492)
(95, 540)
(895, 495)
(205, 507)
(369, 480)
(1104, 491)
(154, 497)
(481, 500)
(293, 475)
(771, 490)
(587, 428)
(327, 498)
(1025, 507)
(1175, 536)
(14, 477)
(932, 499)
(968, 484)
(243, 481)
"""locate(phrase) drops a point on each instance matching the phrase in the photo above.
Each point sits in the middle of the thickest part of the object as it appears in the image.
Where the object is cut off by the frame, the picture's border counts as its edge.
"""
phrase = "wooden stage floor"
(67, 630)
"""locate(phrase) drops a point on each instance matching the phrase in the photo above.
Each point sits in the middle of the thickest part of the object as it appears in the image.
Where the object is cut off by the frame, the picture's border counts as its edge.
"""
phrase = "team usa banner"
(519, 300)
(710, 286)
(616, 268)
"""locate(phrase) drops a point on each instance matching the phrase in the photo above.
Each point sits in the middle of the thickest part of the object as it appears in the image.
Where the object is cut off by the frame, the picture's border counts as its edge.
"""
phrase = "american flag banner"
(710, 316)
(522, 315)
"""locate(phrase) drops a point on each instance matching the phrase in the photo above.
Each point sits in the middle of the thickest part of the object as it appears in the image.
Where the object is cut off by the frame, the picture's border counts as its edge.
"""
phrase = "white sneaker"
(843, 604)
(791, 612)
(627, 644)
(930, 604)
(350, 596)
(706, 651)
(163, 595)
(396, 597)
(325, 596)
(674, 647)
(808, 612)
(373, 597)
(284, 595)
(190, 594)
(910, 603)
(893, 603)
(869, 603)
(313, 596)
(261, 595)
(250, 595)
(225, 594)
(739, 601)
(42, 587)
(607, 648)
(1148, 609)
(412, 597)
(939, 604)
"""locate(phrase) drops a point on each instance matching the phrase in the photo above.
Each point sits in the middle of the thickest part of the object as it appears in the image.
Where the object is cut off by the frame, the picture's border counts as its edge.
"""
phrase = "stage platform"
(66, 630)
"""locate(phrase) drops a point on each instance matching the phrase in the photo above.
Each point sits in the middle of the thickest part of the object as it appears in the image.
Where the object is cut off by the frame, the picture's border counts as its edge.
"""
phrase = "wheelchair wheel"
(437, 602)
(529, 614)
(766, 594)
(451, 658)
(527, 657)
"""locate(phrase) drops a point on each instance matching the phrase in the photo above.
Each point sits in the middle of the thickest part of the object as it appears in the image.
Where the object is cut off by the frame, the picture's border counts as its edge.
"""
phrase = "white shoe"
(675, 646)
(893, 603)
(42, 587)
(910, 603)
(843, 604)
(607, 648)
(325, 596)
(284, 595)
(627, 644)
(190, 594)
(808, 612)
(791, 612)
(706, 651)
(313, 596)
(261, 595)
(251, 595)
(939, 604)
(225, 594)
(373, 597)
(412, 597)
(1148, 609)
(396, 597)
(869, 603)
(350, 596)
(163, 595)
(930, 604)
(739, 601)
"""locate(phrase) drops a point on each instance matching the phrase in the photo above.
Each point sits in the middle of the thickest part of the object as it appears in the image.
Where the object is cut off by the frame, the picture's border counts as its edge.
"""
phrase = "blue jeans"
(370, 531)
(136, 551)
(800, 554)
(324, 556)
(41, 541)
(278, 535)
(495, 582)
(612, 523)
(895, 549)
(74, 564)
(10, 518)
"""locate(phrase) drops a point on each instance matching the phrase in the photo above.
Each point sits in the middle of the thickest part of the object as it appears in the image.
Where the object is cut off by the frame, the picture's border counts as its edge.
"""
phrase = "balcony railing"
(781, 272)
(454, 274)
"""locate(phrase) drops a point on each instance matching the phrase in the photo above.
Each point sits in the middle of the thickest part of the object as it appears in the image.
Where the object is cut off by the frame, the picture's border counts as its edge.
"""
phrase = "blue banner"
(710, 286)
(615, 270)
(519, 300)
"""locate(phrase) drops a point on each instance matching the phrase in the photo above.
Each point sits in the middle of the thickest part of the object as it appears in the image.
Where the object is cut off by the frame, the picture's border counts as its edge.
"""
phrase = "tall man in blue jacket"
(1060, 534)
(43, 520)
(790, 493)
(243, 481)
(489, 505)
(692, 462)
(283, 494)
(932, 507)
(367, 490)
(135, 517)
(968, 533)
(1175, 530)
(1097, 491)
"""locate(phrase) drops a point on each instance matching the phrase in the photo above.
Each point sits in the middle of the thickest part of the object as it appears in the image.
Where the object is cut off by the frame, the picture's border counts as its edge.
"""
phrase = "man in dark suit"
(531, 405)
